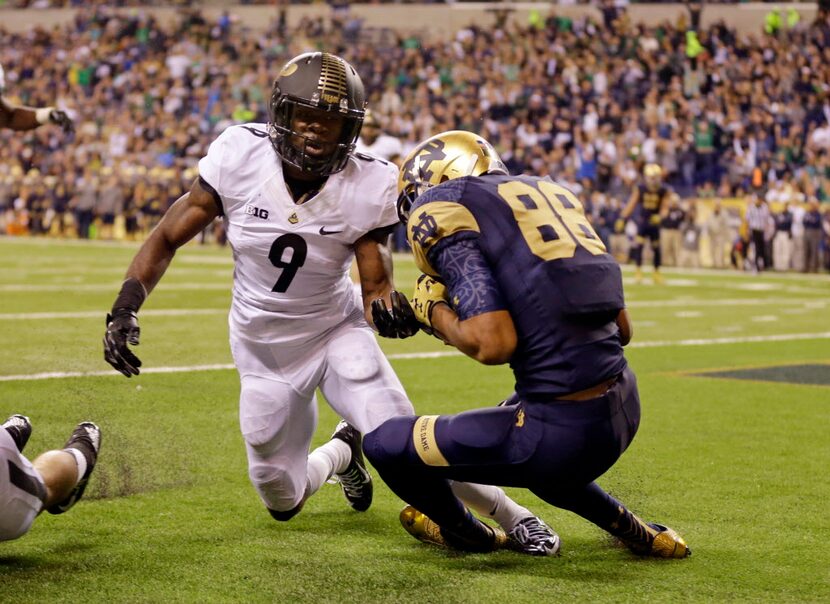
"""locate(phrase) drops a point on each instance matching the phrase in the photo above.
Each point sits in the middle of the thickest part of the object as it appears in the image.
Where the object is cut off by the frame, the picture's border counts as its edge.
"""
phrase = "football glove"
(60, 118)
(619, 226)
(122, 329)
(396, 322)
(428, 293)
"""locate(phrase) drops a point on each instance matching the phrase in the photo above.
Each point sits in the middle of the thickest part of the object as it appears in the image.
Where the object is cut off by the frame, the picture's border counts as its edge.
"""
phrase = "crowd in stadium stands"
(725, 116)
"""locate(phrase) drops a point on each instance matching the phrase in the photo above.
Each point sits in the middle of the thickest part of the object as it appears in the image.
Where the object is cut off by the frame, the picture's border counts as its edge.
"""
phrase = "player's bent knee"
(388, 443)
(286, 515)
(14, 530)
(276, 487)
(264, 412)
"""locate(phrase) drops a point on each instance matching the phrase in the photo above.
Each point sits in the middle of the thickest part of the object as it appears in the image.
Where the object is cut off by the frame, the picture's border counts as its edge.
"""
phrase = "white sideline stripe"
(419, 355)
(97, 314)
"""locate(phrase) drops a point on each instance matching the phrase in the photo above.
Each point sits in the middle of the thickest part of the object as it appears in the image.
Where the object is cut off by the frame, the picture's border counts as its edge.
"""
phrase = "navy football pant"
(647, 233)
(556, 449)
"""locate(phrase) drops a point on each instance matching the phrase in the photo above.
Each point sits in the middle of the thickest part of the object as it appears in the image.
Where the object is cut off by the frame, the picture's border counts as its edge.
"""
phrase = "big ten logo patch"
(257, 212)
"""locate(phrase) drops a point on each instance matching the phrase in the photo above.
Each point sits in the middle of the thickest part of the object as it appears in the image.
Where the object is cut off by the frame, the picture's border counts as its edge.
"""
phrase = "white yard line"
(725, 302)
(97, 314)
(423, 355)
(113, 286)
(783, 337)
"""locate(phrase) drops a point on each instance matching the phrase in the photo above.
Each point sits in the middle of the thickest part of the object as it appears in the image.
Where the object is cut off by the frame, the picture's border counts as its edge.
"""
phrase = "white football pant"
(278, 406)
(21, 488)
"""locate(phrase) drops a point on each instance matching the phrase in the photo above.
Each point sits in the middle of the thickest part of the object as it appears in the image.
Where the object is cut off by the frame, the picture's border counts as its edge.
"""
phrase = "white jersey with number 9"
(292, 261)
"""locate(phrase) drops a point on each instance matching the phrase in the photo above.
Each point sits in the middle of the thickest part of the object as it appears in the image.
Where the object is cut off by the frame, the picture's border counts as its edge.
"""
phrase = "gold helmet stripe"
(332, 83)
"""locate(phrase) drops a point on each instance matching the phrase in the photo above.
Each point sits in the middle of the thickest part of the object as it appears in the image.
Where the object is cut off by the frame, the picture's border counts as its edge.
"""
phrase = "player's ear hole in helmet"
(318, 81)
(443, 157)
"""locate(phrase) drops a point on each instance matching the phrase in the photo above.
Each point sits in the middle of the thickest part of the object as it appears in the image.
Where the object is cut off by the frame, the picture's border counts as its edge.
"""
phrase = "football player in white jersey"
(55, 481)
(295, 219)
(16, 117)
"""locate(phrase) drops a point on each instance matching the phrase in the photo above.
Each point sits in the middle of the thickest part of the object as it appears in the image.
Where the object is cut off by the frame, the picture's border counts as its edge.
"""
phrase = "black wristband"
(131, 296)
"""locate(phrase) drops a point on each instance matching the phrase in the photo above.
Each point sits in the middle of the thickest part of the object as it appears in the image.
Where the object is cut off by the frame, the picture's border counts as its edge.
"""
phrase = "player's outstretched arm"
(28, 118)
(385, 308)
(187, 217)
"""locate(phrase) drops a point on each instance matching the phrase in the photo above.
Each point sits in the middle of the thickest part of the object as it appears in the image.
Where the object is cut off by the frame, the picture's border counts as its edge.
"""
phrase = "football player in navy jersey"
(514, 273)
(651, 198)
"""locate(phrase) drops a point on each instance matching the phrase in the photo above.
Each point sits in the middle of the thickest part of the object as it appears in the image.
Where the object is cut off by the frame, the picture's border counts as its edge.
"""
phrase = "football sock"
(325, 461)
(594, 504)
(491, 502)
(631, 529)
(80, 459)
(637, 255)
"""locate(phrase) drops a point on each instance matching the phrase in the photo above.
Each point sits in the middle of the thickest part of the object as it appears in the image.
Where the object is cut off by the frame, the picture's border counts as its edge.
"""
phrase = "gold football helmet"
(653, 174)
(443, 157)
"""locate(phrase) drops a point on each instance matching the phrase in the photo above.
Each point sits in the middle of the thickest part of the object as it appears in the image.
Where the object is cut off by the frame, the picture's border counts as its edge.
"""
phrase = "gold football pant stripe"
(423, 437)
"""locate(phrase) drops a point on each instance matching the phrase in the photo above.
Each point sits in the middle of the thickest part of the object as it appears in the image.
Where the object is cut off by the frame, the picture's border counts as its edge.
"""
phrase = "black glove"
(56, 116)
(397, 322)
(122, 329)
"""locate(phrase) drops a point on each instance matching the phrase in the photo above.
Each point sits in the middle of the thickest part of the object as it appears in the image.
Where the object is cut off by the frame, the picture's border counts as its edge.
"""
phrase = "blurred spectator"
(797, 212)
(782, 242)
(812, 236)
(689, 252)
(671, 238)
(719, 232)
(110, 204)
(757, 220)
(84, 202)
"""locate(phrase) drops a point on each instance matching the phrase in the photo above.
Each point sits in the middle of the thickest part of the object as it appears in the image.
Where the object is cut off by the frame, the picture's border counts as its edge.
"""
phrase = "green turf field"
(738, 466)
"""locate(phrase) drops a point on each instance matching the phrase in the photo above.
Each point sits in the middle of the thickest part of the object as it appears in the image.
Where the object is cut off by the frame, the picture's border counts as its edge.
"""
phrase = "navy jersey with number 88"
(552, 272)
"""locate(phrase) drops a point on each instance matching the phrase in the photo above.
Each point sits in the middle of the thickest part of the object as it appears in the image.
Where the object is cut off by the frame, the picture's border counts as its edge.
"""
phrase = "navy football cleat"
(355, 479)
(86, 438)
(20, 429)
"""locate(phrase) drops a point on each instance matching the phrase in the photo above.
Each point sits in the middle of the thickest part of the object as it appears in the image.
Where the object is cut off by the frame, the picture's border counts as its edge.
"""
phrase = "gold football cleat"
(658, 278)
(425, 530)
(638, 276)
(422, 528)
(665, 543)
(668, 544)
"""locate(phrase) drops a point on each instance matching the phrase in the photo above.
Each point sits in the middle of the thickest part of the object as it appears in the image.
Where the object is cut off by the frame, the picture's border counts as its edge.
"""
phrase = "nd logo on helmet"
(420, 164)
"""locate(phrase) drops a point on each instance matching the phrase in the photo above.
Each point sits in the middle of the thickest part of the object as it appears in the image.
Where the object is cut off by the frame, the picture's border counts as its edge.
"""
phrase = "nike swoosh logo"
(323, 231)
